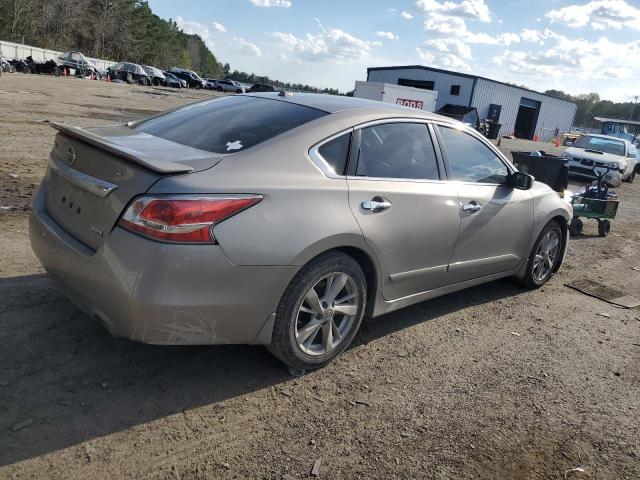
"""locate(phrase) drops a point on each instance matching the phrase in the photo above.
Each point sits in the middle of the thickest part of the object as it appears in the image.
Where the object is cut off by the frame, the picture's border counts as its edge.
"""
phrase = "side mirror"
(521, 181)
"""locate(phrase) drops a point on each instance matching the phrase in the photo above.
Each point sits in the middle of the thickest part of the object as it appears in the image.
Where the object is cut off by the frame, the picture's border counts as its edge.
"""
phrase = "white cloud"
(192, 27)
(387, 35)
(575, 58)
(446, 53)
(271, 3)
(471, 9)
(218, 27)
(243, 47)
(456, 27)
(331, 44)
(535, 36)
(600, 14)
(406, 15)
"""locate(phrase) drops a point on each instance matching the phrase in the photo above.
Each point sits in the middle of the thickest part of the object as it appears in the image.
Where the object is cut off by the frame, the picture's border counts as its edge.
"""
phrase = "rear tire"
(544, 257)
(604, 227)
(575, 227)
(315, 322)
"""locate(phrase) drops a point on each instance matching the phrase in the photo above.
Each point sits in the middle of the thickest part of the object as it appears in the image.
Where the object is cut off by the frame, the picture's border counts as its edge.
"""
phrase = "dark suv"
(192, 78)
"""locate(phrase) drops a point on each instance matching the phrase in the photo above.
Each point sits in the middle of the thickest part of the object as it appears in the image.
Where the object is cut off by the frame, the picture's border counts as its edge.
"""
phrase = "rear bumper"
(160, 293)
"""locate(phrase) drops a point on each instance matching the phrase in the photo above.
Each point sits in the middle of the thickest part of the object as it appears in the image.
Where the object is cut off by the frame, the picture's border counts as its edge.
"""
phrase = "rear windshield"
(605, 145)
(229, 124)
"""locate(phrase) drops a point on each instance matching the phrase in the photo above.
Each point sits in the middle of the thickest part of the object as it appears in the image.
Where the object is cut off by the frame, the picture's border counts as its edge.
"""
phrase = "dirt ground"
(494, 382)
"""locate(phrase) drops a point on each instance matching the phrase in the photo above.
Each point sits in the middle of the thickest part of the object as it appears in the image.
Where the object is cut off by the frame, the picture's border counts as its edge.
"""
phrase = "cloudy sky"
(573, 45)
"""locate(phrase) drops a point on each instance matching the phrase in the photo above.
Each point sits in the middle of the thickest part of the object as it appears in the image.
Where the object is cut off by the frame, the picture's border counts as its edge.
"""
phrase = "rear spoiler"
(160, 166)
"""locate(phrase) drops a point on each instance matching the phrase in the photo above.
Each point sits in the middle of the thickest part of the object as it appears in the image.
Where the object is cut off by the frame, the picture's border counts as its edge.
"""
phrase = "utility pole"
(634, 108)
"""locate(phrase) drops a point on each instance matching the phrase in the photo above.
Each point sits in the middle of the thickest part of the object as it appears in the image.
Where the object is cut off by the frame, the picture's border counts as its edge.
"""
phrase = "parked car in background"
(155, 75)
(600, 151)
(209, 234)
(172, 81)
(129, 72)
(261, 87)
(75, 62)
(192, 78)
(210, 83)
(229, 86)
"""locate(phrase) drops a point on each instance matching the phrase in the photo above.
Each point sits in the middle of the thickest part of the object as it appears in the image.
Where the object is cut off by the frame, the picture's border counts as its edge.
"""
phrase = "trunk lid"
(93, 174)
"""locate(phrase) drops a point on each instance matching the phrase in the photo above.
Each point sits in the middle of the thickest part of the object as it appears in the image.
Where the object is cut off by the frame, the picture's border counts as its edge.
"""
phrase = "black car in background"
(192, 78)
(129, 72)
(261, 87)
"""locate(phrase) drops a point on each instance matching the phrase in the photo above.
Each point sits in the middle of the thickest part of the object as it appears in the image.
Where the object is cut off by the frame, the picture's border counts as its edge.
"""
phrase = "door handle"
(471, 207)
(376, 204)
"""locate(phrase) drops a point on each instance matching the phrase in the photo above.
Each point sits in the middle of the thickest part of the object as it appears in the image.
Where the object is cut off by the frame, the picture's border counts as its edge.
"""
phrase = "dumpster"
(546, 168)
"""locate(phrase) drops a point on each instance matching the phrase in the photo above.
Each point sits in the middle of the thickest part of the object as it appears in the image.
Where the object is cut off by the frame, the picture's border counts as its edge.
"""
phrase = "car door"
(496, 220)
(406, 211)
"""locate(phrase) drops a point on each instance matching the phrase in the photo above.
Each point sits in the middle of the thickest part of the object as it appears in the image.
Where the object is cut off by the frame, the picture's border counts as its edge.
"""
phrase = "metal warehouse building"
(521, 111)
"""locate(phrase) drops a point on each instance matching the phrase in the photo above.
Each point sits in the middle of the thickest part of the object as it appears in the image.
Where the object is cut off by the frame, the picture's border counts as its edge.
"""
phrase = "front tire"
(320, 312)
(632, 177)
(544, 258)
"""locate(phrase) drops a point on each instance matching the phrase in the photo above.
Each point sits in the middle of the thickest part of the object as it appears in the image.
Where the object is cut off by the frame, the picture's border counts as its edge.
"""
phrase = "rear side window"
(470, 159)
(397, 150)
(335, 152)
(229, 124)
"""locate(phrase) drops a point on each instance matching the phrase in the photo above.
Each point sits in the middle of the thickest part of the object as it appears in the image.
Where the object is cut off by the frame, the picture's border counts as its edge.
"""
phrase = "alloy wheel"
(546, 255)
(327, 314)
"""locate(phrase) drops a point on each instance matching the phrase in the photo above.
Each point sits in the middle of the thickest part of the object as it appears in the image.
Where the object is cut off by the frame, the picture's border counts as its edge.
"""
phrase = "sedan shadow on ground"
(64, 380)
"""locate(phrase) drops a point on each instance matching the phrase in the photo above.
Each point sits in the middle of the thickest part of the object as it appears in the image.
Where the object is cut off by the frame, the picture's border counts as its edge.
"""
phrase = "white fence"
(19, 51)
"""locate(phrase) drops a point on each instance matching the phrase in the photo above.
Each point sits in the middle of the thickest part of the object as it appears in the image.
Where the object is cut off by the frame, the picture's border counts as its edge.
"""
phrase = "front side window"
(470, 159)
(229, 124)
(335, 152)
(397, 150)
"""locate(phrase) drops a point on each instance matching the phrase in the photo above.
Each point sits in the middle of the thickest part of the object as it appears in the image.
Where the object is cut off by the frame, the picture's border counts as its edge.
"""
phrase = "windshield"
(605, 145)
(229, 124)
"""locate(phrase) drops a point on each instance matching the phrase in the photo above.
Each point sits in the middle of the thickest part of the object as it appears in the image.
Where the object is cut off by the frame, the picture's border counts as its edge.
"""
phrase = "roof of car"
(338, 103)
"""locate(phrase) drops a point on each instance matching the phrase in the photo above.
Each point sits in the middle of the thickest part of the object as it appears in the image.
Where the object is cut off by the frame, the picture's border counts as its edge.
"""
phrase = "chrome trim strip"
(401, 120)
(392, 179)
(398, 277)
(94, 185)
(480, 262)
(319, 160)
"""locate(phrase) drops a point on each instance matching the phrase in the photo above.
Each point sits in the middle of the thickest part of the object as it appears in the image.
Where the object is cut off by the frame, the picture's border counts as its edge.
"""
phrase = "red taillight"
(183, 218)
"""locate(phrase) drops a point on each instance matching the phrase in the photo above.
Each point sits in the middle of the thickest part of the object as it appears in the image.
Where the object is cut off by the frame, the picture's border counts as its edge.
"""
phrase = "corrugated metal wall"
(442, 83)
(19, 51)
(554, 113)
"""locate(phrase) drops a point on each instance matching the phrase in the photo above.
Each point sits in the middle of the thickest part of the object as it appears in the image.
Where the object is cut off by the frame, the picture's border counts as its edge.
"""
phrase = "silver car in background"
(229, 86)
(283, 220)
